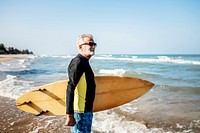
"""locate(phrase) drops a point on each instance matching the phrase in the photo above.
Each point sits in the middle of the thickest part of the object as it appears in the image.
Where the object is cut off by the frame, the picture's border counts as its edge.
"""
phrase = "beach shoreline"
(4, 58)
(171, 106)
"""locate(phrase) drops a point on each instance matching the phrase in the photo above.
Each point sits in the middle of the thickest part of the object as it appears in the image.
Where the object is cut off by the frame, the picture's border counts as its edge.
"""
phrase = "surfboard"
(111, 91)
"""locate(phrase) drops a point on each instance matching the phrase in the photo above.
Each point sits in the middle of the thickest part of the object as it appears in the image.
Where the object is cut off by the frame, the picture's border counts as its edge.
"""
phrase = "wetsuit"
(81, 86)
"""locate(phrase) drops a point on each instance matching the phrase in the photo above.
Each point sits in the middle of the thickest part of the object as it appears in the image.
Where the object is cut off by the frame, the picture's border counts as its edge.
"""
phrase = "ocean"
(171, 106)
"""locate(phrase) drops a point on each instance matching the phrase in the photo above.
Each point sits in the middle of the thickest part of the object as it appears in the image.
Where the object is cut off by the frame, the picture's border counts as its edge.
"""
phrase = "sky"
(51, 27)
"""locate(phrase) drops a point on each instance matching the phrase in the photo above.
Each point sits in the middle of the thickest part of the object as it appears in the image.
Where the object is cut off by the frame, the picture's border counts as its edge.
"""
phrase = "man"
(81, 87)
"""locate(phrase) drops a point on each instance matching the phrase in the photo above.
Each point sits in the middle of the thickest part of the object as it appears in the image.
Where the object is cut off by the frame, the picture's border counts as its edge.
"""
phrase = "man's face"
(86, 49)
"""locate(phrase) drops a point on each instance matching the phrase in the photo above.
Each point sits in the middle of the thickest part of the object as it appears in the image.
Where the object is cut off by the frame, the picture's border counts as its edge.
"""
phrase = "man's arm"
(74, 72)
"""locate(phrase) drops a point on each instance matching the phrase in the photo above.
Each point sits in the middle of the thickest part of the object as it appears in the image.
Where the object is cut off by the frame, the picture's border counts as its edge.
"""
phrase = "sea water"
(172, 105)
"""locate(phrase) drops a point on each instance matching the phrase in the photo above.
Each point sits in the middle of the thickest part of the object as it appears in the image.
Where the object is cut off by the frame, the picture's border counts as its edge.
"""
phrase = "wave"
(125, 72)
(25, 72)
(177, 60)
(12, 87)
(183, 89)
(56, 56)
(17, 64)
(150, 59)
(32, 72)
(117, 123)
(118, 72)
(134, 58)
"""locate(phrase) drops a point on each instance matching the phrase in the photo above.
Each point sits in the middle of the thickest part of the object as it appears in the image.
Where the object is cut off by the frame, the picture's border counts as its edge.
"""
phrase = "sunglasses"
(90, 44)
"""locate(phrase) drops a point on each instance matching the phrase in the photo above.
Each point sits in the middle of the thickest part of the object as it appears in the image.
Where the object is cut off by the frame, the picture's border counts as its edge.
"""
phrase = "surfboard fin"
(41, 89)
(24, 103)
(41, 113)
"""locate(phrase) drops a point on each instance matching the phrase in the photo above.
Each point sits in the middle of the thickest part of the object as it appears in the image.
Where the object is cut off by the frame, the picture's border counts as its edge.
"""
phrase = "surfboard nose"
(148, 84)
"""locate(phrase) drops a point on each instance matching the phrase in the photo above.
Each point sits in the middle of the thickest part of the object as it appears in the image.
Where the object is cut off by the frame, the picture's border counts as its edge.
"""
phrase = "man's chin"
(92, 53)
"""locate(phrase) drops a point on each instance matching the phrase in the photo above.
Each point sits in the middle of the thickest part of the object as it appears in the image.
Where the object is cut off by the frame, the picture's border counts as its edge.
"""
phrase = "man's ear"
(80, 47)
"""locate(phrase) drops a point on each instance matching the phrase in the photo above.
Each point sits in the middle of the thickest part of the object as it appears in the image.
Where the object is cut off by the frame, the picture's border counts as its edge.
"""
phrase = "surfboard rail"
(111, 91)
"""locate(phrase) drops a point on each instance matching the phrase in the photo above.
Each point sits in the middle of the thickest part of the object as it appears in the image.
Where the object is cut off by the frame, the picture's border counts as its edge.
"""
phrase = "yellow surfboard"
(111, 91)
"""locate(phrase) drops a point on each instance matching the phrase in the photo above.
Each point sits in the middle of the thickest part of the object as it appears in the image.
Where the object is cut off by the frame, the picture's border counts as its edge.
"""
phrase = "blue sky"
(119, 27)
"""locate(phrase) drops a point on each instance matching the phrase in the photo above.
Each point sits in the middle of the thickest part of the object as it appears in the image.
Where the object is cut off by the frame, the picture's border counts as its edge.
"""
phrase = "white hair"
(81, 37)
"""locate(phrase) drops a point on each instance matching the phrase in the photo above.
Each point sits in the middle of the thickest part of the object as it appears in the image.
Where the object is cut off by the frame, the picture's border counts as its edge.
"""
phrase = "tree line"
(11, 50)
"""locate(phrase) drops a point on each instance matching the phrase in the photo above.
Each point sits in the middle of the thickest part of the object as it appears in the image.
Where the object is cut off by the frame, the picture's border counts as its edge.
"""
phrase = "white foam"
(16, 65)
(62, 56)
(32, 56)
(57, 56)
(21, 61)
(36, 129)
(108, 121)
(105, 55)
(12, 87)
(177, 60)
(104, 58)
(117, 72)
(129, 108)
(134, 57)
(158, 59)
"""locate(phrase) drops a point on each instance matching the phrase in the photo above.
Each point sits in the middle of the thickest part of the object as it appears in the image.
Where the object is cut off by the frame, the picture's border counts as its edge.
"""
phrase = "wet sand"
(14, 120)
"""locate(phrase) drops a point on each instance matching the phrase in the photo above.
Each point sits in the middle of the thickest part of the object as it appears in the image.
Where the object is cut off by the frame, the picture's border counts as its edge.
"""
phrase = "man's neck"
(87, 57)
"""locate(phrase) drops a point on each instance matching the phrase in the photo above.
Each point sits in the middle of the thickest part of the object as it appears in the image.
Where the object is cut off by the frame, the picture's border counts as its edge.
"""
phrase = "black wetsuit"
(81, 86)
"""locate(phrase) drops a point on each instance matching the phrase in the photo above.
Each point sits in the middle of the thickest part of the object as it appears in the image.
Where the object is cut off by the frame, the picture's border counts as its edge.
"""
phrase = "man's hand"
(70, 120)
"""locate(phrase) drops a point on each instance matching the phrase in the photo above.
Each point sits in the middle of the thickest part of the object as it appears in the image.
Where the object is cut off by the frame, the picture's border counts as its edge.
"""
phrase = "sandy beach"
(11, 57)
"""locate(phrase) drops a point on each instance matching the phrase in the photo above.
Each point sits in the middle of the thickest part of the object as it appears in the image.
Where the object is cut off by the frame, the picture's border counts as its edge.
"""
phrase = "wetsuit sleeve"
(75, 71)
